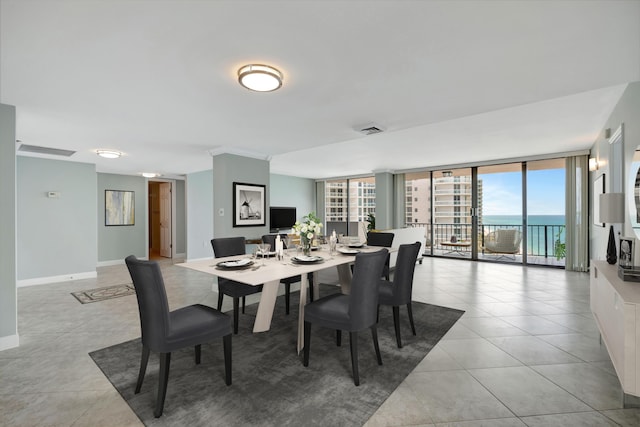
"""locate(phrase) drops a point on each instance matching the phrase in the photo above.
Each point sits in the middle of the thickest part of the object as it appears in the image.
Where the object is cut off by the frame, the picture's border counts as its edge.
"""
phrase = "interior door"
(165, 219)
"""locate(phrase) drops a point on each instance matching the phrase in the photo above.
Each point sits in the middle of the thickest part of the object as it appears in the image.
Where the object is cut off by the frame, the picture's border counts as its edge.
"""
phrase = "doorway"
(160, 219)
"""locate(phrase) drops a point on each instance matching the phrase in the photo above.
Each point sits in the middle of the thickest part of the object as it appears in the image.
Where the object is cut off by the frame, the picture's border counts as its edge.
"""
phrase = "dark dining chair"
(165, 331)
(353, 313)
(399, 291)
(384, 240)
(229, 246)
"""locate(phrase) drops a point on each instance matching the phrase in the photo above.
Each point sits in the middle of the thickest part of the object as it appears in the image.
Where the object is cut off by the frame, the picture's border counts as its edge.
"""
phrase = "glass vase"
(306, 246)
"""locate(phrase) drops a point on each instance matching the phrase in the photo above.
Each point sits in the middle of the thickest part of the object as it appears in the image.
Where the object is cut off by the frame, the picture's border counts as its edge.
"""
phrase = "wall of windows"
(349, 202)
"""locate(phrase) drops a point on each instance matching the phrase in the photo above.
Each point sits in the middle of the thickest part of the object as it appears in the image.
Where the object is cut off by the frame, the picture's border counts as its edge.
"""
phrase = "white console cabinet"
(616, 307)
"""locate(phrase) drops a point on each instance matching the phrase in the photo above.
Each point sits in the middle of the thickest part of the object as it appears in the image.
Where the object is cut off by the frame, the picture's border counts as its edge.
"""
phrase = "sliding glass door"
(500, 221)
(545, 212)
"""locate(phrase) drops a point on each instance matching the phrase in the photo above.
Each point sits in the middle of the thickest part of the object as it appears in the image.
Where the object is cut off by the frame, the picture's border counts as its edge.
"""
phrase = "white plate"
(240, 263)
(303, 259)
(348, 251)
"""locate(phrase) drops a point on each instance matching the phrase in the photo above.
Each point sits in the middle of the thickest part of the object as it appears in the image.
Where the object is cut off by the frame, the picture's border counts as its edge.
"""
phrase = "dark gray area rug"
(270, 385)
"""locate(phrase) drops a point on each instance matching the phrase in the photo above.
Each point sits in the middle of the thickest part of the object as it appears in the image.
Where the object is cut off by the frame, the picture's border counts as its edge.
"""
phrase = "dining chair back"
(354, 312)
(165, 331)
(399, 291)
(230, 246)
(375, 238)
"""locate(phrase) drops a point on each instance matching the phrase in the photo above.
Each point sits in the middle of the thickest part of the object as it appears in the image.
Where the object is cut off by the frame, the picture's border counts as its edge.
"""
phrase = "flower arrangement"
(308, 229)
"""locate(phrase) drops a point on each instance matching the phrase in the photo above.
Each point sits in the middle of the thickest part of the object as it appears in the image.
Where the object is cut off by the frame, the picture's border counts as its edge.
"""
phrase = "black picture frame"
(119, 208)
(249, 205)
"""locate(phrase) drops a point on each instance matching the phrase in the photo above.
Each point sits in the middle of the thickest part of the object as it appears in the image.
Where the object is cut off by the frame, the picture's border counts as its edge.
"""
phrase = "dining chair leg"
(353, 343)
(310, 280)
(287, 297)
(226, 342)
(165, 361)
(307, 343)
(396, 324)
(376, 346)
(236, 308)
(143, 367)
(220, 296)
(338, 337)
(198, 352)
(413, 326)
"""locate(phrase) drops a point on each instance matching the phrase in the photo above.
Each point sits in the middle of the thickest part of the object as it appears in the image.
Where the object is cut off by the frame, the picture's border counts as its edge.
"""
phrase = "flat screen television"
(281, 218)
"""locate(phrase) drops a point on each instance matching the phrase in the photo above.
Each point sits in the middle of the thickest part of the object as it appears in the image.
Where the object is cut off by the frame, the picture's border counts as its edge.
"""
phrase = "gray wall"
(181, 218)
(294, 191)
(199, 214)
(384, 200)
(57, 236)
(115, 243)
(227, 169)
(8, 295)
(627, 111)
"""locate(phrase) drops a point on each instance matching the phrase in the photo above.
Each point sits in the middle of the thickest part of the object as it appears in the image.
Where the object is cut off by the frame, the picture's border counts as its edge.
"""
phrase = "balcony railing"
(541, 238)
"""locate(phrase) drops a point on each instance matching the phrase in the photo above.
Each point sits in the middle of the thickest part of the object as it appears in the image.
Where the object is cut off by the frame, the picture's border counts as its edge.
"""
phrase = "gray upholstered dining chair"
(376, 238)
(165, 331)
(229, 246)
(354, 312)
(399, 291)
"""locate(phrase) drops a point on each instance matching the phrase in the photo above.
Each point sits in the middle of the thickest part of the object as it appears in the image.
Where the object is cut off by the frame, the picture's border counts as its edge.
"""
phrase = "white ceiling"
(450, 81)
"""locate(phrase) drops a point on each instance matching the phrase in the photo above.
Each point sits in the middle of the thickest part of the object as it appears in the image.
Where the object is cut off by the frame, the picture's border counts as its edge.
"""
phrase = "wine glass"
(288, 241)
(264, 250)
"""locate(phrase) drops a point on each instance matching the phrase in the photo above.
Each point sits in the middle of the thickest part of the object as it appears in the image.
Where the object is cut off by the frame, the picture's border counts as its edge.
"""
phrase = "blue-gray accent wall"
(115, 243)
(56, 235)
(8, 295)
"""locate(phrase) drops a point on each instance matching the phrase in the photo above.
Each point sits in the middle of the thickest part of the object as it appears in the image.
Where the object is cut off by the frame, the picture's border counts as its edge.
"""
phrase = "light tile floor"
(526, 351)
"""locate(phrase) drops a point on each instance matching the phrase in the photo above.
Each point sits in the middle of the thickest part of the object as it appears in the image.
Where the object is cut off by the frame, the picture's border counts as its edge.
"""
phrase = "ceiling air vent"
(45, 150)
(370, 130)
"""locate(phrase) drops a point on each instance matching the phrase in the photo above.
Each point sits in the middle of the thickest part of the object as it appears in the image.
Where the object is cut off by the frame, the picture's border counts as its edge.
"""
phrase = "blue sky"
(502, 192)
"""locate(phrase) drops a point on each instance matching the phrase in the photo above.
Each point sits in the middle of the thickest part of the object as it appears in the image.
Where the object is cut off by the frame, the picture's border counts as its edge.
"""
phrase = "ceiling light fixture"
(108, 154)
(261, 78)
(150, 174)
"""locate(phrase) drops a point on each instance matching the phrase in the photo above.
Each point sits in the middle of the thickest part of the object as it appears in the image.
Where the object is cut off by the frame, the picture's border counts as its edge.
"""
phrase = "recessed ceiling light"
(150, 174)
(108, 154)
(259, 77)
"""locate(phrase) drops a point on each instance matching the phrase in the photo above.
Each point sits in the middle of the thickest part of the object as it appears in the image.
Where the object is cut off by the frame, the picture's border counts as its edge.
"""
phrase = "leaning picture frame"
(627, 249)
(248, 205)
(598, 189)
(119, 208)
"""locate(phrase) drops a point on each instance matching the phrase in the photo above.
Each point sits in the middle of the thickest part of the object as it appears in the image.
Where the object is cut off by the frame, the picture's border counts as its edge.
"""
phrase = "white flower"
(309, 236)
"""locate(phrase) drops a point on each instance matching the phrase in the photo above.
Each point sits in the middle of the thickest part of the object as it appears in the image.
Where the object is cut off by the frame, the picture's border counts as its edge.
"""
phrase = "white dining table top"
(272, 268)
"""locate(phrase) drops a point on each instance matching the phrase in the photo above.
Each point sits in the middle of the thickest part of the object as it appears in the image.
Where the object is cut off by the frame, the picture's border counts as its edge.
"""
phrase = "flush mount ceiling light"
(108, 154)
(150, 174)
(261, 78)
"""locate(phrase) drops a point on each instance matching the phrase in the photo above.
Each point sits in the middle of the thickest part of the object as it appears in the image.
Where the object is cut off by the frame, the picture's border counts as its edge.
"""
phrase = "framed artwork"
(627, 247)
(598, 189)
(119, 207)
(248, 205)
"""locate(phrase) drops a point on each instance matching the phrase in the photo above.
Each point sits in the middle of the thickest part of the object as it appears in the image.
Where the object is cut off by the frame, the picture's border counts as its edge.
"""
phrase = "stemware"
(264, 250)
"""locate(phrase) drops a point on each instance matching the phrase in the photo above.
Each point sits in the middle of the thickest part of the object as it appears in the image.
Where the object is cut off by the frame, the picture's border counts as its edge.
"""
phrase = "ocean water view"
(517, 220)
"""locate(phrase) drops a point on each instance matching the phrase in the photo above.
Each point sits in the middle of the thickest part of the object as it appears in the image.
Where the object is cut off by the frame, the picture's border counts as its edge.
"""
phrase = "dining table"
(269, 270)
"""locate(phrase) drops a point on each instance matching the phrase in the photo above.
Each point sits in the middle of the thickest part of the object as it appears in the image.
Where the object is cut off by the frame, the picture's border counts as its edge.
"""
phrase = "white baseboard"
(110, 263)
(9, 341)
(180, 256)
(57, 279)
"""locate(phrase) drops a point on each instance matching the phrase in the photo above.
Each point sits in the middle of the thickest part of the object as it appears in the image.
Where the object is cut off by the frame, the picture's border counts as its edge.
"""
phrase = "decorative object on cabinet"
(612, 212)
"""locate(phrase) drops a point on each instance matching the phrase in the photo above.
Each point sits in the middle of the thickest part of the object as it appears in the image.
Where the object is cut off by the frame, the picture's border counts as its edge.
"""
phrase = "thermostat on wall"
(53, 194)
